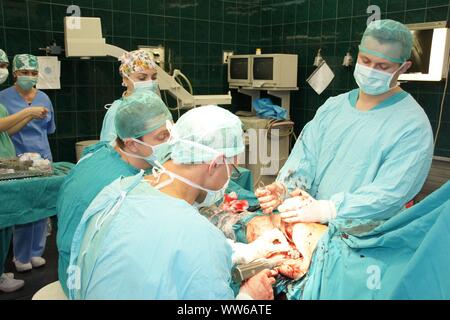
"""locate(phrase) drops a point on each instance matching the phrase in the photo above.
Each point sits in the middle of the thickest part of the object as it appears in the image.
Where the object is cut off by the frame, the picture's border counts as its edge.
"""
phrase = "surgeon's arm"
(258, 287)
(299, 170)
(269, 242)
(9, 122)
(15, 122)
(399, 179)
(17, 127)
(298, 173)
(38, 113)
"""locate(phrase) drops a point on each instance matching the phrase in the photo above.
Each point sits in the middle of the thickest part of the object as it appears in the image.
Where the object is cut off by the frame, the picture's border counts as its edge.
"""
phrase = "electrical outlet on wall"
(226, 56)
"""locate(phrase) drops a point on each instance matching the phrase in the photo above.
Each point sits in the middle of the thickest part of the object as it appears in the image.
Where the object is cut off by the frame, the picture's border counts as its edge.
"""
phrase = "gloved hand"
(307, 209)
(269, 242)
(271, 196)
(297, 202)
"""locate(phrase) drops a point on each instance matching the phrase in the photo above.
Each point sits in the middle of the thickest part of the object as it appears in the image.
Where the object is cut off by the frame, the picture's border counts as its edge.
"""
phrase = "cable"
(165, 98)
(442, 106)
(275, 122)
(177, 73)
(292, 142)
(269, 128)
(177, 108)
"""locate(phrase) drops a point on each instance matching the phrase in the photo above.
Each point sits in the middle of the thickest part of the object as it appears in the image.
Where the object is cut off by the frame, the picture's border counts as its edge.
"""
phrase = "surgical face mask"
(3, 75)
(373, 82)
(212, 196)
(151, 85)
(26, 82)
(159, 153)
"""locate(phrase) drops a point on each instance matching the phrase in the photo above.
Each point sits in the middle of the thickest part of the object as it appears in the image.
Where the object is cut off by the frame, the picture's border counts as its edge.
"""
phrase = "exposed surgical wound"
(302, 237)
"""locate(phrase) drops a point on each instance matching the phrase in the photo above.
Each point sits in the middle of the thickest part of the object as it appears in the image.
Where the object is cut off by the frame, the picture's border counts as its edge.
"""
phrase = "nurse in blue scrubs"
(29, 239)
(138, 71)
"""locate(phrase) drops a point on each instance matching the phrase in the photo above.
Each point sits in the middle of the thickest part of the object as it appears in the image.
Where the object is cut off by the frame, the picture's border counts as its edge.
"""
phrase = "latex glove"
(296, 202)
(310, 210)
(271, 196)
(258, 287)
(269, 242)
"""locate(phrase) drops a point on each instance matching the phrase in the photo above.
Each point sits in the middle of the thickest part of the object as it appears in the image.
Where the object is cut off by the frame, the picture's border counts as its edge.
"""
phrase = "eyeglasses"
(235, 173)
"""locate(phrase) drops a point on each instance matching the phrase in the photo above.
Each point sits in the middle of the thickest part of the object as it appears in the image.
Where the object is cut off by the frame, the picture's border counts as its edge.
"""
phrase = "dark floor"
(439, 175)
(37, 278)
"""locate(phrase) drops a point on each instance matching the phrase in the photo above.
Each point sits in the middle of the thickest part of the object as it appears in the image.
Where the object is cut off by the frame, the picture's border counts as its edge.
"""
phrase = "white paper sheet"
(321, 78)
(49, 73)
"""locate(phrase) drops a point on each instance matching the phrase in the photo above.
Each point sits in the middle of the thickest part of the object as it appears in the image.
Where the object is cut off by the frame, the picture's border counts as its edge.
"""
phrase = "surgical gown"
(108, 132)
(370, 164)
(95, 171)
(405, 257)
(135, 242)
(33, 136)
(6, 146)
(6, 151)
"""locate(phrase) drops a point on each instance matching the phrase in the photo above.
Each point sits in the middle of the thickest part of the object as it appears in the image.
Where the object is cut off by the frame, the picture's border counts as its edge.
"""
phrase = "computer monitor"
(239, 70)
(430, 52)
(275, 70)
(263, 68)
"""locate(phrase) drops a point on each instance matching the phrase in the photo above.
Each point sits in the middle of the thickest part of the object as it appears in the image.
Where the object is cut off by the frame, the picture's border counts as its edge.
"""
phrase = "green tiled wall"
(304, 26)
(195, 31)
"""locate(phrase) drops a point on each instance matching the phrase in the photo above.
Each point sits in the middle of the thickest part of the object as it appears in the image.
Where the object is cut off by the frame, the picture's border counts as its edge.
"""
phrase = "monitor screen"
(239, 68)
(263, 68)
(421, 51)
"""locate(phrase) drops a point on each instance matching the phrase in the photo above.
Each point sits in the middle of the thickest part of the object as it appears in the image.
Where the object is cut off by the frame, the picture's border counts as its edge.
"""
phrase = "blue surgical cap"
(203, 133)
(139, 114)
(387, 39)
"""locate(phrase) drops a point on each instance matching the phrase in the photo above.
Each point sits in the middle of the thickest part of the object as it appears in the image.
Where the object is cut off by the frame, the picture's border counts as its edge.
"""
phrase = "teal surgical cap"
(25, 62)
(3, 57)
(204, 133)
(387, 39)
(139, 114)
